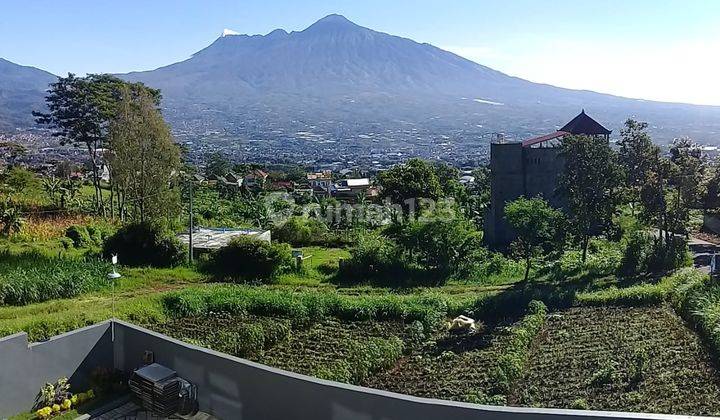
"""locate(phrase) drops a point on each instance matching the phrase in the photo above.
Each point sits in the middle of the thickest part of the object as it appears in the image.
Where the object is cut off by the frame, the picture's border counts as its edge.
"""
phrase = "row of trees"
(660, 190)
(122, 129)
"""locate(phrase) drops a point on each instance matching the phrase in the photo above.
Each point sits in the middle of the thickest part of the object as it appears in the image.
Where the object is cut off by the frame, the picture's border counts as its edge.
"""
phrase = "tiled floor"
(131, 411)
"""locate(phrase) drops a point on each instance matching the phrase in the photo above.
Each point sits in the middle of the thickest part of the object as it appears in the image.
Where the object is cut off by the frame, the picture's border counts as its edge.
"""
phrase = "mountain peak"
(333, 22)
(334, 18)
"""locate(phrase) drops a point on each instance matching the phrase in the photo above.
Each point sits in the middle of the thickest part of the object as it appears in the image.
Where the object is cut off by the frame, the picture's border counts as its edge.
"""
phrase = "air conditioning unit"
(162, 392)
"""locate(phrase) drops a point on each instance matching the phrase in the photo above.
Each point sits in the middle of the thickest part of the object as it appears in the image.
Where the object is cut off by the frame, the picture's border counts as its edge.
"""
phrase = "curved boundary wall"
(231, 388)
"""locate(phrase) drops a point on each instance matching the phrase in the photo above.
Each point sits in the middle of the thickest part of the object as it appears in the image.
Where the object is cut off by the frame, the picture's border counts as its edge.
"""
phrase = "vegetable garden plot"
(453, 368)
(620, 359)
(330, 349)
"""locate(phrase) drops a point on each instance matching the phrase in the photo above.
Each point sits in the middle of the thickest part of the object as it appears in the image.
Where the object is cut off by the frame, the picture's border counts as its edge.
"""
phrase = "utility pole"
(190, 255)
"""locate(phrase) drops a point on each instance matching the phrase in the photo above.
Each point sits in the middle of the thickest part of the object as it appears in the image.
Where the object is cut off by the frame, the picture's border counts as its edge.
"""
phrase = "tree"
(689, 176)
(671, 188)
(535, 223)
(411, 181)
(11, 219)
(217, 165)
(449, 179)
(80, 112)
(20, 179)
(144, 160)
(590, 183)
(11, 151)
(711, 200)
(478, 196)
(145, 244)
(444, 248)
(637, 155)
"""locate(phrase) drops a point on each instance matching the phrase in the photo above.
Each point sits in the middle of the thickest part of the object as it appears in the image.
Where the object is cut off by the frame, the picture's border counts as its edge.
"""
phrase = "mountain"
(336, 73)
(22, 90)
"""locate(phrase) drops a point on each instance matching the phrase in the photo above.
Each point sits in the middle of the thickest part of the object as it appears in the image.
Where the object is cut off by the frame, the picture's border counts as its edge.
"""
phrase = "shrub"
(423, 254)
(580, 404)
(301, 231)
(442, 248)
(66, 243)
(142, 244)
(644, 253)
(638, 366)
(484, 399)
(640, 294)
(607, 374)
(53, 393)
(79, 235)
(377, 258)
(604, 257)
(697, 299)
(373, 355)
(248, 259)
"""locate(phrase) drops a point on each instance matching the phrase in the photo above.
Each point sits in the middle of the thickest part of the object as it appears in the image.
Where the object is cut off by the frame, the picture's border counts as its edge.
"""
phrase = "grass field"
(318, 267)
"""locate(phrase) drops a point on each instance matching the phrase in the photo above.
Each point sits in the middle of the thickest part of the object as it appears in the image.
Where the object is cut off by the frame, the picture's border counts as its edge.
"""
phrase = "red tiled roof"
(546, 137)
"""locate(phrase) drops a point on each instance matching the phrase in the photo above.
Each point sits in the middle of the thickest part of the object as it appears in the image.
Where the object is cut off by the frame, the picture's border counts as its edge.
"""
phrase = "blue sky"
(663, 50)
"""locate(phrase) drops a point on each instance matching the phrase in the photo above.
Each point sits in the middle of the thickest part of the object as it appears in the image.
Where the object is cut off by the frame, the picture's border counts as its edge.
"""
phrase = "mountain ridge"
(22, 89)
(342, 76)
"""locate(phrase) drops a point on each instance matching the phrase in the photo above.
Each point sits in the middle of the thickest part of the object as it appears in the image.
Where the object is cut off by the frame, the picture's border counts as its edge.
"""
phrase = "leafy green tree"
(536, 224)
(690, 173)
(590, 183)
(145, 244)
(20, 179)
(637, 154)
(251, 209)
(11, 151)
(667, 196)
(444, 248)
(478, 196)
(80, 112)
(144, 159)
(69, 191)
(217, 164)
(711, 199)
(449, 179)
(407, 183)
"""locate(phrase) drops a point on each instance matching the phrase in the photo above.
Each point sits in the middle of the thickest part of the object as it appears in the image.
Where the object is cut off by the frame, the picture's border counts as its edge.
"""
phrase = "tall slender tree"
(638, 155)
(144, 160)
(80, 112)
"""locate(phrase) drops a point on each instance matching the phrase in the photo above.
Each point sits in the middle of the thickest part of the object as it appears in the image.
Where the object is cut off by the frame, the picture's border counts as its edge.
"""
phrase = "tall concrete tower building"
(530, 168)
